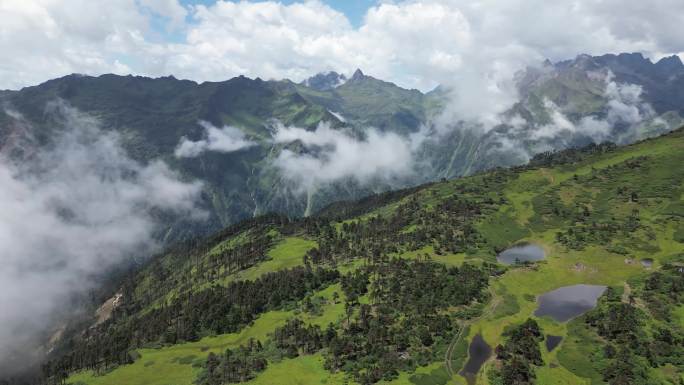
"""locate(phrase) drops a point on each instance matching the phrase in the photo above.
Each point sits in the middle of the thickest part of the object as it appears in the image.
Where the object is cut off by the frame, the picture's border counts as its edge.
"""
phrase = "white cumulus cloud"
(226, 139)
(330, 155)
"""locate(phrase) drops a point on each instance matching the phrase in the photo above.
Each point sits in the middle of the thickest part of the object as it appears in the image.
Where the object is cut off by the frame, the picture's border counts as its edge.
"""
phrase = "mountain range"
(620, 98)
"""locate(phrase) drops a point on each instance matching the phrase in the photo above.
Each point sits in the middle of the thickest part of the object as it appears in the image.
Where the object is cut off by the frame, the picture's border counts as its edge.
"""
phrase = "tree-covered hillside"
(393, 289)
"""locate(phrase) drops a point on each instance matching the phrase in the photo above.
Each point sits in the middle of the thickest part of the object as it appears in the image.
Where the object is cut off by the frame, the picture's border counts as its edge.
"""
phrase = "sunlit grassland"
(432, 374)
(332, 311)
(525, 284)
(519, 192)
(555, 373)
(503, 228)
(303, 370)
(562, 267)
(578, 351)
(286, 254)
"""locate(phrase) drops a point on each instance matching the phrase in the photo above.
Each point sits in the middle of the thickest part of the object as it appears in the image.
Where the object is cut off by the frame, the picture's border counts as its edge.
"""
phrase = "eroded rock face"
(104, 312)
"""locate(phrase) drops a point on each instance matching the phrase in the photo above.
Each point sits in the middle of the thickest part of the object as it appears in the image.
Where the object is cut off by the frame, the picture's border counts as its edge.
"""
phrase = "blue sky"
(354, 9)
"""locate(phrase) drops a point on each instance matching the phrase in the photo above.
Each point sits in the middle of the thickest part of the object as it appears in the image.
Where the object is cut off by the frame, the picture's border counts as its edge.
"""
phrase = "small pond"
(524, 252)
(478, 352)
(647, 262)
(552, 342)
(568, 302)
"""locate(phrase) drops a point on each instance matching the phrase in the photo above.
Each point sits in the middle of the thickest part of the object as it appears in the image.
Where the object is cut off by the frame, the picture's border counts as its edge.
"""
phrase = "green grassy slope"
(596, 218)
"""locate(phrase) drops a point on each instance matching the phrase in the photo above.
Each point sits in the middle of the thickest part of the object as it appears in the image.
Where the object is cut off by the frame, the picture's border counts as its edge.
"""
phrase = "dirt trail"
(626, 293)
(496, 300)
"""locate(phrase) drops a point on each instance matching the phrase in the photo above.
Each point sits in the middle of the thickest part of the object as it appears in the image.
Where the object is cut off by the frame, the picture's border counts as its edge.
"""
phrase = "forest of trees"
(399, 325)
(637, 339)
(376, 339)
(519, 354)
(569, 155)
(234, 365)
(448, 226)
(215, 310)
(405, 318)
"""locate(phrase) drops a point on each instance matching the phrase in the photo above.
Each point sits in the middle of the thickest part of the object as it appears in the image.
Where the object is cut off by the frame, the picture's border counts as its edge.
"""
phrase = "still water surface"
(525, 252)
(568, 302)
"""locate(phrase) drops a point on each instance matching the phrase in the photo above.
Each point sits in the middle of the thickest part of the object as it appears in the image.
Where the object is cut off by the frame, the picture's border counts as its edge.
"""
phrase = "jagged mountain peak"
(670, 64)
(325, 81)
(585, 62)
(358, 75)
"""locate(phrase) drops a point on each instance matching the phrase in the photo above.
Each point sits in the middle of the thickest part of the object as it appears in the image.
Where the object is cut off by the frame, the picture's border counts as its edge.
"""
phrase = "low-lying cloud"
(624, 106)
(226, 139)
(68, 213)
(622, 119)
(328, 155)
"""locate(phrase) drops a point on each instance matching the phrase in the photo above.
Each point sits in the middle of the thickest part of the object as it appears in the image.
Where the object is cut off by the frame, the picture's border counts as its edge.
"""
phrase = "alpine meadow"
(357, 192)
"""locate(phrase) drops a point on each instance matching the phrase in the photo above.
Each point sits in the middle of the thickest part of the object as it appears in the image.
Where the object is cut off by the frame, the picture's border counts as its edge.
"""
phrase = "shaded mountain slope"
(153, 115)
